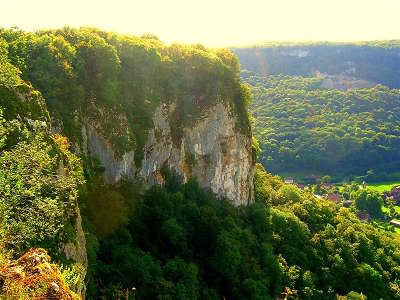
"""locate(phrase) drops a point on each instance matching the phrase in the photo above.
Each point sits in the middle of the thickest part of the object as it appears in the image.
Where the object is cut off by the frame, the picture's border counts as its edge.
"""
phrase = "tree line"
(302, 127)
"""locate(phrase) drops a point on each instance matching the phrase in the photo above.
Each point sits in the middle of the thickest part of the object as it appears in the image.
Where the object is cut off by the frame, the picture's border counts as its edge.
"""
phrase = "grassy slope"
(383, 186)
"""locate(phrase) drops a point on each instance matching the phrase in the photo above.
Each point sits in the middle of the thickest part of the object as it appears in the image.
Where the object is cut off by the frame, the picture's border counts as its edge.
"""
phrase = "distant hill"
(372, 62)
(303, 127)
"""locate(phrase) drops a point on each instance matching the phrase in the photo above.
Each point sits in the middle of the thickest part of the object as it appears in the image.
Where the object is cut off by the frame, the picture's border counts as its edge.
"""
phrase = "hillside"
(136, 105)
(371, 62)
(39, 182)
(303, 127)
(132, 111)
(133, 165)
(326, 108)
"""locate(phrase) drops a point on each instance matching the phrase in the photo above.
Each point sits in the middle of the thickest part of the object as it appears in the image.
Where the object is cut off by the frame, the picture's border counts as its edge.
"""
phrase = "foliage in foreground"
(182, 243)
(39, 180)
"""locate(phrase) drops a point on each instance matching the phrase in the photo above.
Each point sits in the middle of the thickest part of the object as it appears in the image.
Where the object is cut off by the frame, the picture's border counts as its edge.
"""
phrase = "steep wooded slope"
(137, 105)
(39, 178)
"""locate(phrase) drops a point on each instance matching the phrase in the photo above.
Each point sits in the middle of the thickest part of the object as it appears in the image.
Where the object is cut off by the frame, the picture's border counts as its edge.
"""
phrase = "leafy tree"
(368, 200)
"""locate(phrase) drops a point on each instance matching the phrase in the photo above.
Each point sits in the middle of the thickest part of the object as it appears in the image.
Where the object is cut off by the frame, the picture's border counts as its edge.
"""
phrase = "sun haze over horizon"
(216, 23)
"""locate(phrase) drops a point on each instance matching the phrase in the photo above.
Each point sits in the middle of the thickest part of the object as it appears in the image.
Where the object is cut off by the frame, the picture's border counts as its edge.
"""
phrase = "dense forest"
(179, 242)
(95, 75)
(302, 127)
(377, 62)
(326, 108)
(176, 241)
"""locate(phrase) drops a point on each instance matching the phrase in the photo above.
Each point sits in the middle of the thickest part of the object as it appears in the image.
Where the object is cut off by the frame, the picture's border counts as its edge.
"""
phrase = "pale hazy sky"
(215, 22)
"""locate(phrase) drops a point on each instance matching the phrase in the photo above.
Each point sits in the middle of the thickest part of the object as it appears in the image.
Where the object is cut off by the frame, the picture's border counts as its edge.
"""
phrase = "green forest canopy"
(39, 176)
(302, 127)
(179, 242)
(121, 79)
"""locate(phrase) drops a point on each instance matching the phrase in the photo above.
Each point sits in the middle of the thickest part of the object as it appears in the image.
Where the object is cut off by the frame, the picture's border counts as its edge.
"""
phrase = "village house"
(312, 178)
(333, 197)
(289, 180)
(327, 186)
(394, 194)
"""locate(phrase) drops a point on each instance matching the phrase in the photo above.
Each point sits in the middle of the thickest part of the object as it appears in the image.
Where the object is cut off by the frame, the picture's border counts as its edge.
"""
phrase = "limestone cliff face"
(211, 150)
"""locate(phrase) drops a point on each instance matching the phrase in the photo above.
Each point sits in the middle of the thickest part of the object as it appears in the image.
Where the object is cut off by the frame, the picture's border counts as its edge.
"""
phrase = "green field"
(383, 186)
(301, 176)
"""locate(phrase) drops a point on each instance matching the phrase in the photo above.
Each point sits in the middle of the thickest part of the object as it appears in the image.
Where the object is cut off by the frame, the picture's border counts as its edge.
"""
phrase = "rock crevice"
(212, 151)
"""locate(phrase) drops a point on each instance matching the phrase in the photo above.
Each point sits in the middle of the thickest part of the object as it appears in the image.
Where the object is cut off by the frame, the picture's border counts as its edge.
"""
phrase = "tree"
(326, 179)
(368, 200)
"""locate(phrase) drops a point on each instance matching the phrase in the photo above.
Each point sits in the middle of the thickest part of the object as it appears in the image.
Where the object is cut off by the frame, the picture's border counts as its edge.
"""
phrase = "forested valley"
(69, 94)
(326, 108)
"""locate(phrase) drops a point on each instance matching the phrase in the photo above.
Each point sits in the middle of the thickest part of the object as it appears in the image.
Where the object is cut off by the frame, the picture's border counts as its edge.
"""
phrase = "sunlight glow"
(216, 22)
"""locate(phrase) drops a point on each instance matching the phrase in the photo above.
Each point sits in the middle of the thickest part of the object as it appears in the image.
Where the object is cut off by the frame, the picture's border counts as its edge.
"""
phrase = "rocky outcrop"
(98, 146)
(300, 53)
(344, 82)
(211, 150)
(33, 276)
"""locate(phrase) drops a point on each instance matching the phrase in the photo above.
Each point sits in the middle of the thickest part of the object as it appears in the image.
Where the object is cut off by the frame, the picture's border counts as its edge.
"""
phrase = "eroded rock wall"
(211, 150)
